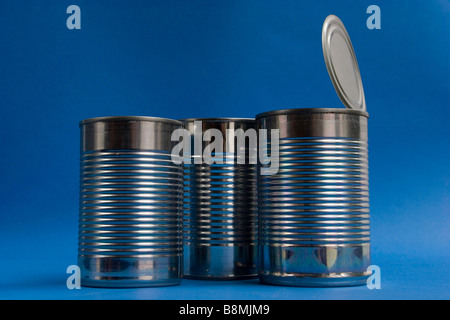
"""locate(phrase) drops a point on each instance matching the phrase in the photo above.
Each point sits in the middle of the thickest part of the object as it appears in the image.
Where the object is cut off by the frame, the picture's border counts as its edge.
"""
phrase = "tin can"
(220, 211)
(130, 203)
(314, 213)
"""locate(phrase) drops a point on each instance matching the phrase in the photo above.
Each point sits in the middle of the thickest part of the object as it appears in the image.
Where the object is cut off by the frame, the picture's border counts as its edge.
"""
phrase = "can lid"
(129, 118)
(218, 120)
(341, 63)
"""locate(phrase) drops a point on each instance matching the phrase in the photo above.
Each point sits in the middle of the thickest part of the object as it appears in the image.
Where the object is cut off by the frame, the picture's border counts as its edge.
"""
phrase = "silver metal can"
(130, 203)
(220, 217)
(314, 213)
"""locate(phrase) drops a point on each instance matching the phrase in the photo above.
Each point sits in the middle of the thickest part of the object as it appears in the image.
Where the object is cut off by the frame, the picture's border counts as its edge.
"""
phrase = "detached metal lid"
(341, 63)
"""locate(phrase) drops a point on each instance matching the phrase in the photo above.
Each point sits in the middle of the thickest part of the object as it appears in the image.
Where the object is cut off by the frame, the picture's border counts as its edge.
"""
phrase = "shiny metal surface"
(130, 203)
(341, 63)
(314, 213)
(220, 226)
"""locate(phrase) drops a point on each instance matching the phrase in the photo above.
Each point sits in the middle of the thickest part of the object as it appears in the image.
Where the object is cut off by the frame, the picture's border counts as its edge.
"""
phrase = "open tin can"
(314, 222)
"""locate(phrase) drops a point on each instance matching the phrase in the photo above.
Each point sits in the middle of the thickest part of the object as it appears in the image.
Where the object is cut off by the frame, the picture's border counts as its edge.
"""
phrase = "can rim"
(252, 120)
(129, 118)
(311, 111)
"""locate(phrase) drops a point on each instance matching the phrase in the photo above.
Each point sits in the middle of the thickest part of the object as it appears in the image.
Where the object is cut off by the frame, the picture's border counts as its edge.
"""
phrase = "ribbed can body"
(130, 203)
(314, 213)
(220, 218)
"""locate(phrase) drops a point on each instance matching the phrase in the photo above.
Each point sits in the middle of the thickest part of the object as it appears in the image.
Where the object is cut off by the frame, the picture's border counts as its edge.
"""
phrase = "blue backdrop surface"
(199, 58)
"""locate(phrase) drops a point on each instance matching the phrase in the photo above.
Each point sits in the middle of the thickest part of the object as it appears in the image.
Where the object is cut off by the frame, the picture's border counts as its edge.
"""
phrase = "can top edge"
(252, 120)
(130, 118)
(311, 111)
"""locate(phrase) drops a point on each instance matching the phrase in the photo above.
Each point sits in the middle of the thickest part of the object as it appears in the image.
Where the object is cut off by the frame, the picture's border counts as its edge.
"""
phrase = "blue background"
(237, 58)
